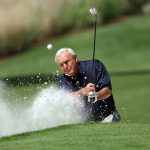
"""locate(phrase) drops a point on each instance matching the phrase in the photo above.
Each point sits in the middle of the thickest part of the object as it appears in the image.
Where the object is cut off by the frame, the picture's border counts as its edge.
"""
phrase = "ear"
(76, 58)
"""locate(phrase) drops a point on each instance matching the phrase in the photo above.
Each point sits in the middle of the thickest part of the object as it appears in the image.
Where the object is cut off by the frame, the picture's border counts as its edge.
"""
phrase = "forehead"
(64, 56)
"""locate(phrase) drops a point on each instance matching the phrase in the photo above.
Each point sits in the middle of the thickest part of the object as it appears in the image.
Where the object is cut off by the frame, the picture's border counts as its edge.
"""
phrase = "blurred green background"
(123, 34)
(25, 24)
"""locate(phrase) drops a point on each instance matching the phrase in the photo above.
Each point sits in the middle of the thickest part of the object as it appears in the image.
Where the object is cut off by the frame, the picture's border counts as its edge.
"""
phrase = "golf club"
(92, 95)
(93, 11)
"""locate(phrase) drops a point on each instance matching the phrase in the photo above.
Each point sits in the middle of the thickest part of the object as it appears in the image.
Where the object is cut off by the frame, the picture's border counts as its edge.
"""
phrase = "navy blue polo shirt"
(100, 78)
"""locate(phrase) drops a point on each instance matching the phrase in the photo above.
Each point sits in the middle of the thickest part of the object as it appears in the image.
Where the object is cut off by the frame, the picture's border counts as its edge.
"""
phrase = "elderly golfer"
(95, 91)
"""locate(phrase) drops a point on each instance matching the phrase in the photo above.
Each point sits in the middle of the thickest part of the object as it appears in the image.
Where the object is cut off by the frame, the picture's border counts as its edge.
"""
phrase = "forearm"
(103, 93)
(79, 93)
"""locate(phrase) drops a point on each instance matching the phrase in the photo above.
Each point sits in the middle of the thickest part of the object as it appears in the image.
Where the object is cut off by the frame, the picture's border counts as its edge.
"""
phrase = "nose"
(65, 65)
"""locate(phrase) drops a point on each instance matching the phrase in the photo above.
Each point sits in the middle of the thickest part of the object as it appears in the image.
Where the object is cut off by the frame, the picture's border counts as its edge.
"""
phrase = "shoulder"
(61, 82)
(90, 62)
(61, 78)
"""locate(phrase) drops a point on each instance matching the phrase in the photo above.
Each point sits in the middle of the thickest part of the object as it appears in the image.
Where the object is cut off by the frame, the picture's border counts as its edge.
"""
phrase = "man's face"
(68, 63)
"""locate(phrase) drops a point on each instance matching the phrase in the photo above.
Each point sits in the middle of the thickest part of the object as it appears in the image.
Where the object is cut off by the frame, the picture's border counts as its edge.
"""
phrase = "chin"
(71, 74)
(68, 74)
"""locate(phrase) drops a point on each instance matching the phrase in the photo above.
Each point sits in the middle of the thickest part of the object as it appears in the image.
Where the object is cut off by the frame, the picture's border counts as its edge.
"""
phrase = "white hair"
(62, 50)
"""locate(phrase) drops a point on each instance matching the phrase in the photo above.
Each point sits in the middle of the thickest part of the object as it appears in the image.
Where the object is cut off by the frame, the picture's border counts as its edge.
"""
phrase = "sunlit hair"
(62, 50)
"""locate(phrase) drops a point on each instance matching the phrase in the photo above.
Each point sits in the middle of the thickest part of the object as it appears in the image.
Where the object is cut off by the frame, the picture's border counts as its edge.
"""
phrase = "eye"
(65, 62)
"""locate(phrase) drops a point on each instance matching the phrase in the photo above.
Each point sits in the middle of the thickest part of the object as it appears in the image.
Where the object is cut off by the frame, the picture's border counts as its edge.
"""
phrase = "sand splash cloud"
(51, 107)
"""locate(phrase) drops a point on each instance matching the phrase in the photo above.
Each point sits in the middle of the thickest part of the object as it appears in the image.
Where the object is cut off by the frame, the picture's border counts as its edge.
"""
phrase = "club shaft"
(94, 45)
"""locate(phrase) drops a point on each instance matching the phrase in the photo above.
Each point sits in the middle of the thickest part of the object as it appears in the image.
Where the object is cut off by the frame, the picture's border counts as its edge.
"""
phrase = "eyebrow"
(66, 61)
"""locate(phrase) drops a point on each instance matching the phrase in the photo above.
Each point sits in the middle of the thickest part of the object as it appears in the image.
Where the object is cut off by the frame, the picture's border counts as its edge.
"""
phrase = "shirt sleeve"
(102, 76)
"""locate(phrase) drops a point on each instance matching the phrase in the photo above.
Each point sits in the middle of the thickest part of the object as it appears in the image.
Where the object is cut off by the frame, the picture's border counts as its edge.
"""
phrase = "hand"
(90, 87)
(92, 97)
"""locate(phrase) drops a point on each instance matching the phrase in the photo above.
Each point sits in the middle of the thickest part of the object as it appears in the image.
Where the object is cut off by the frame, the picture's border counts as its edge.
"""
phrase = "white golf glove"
(92, 97)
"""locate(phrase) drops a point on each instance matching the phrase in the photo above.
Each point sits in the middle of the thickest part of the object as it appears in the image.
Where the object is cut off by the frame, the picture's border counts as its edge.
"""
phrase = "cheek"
(62, 68)
(72, 64)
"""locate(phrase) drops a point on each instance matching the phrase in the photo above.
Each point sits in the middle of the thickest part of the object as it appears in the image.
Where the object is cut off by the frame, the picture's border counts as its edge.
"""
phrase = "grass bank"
(83, 136)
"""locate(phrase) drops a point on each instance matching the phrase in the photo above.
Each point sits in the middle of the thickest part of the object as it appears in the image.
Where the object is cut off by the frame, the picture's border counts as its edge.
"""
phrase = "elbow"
(108, 92)
(104, 93)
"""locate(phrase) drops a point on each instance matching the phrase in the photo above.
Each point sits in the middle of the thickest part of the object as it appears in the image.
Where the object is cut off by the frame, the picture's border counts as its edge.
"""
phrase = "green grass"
(83, 136)
(122, 47)
(131, 94)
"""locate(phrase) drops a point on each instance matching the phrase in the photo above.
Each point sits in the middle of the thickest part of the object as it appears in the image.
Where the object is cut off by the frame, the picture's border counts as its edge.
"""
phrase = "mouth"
(69, 71)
